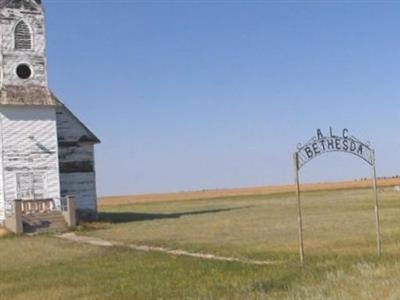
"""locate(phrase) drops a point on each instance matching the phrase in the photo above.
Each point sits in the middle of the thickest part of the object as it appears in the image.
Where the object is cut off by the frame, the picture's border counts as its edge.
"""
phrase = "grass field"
(339, 245)
(248, 191)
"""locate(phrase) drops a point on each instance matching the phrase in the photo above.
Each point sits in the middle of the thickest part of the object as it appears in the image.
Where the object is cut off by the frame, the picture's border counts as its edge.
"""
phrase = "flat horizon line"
(244, 191)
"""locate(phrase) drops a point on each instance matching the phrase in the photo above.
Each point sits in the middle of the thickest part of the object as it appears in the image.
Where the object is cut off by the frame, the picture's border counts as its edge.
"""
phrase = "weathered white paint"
(29, 144)
(70, 128)
(83, 187)
(10, 57)
(80, 152)
(76, 157)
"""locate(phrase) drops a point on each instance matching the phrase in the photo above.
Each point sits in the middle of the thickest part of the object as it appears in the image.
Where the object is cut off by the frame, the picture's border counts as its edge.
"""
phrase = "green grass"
(339, 245)
(45, 268)
(260, 227)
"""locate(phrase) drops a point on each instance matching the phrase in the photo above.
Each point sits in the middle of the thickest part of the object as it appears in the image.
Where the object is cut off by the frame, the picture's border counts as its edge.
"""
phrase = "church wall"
(29, 138)
(67, 126)
(83, 187)
(77, 174)
(76, 161)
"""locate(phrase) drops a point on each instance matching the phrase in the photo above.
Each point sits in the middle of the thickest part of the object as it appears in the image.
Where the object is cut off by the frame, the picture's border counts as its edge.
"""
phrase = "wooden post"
(300, 217)
(14, 222)
(377, 220)
(70, 213)
(18, 216)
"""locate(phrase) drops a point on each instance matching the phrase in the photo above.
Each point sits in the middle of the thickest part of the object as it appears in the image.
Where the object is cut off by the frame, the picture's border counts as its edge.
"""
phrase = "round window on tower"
(24, 71)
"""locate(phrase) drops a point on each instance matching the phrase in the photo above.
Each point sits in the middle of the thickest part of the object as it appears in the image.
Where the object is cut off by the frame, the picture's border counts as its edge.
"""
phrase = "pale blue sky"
(188, 95)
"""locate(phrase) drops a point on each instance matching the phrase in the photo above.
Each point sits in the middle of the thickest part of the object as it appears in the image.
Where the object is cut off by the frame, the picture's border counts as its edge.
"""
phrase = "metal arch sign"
(321, 144)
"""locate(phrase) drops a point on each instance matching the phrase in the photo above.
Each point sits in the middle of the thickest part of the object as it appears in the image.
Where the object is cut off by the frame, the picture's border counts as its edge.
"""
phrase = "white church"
(46, 152)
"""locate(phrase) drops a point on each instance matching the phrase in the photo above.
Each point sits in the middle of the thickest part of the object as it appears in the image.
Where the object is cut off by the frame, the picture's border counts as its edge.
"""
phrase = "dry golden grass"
(251, 191)
(339, 240)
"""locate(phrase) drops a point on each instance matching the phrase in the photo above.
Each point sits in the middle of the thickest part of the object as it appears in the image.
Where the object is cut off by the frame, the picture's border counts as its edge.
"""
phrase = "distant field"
(257, 226)
(220, 193)
(339, 233)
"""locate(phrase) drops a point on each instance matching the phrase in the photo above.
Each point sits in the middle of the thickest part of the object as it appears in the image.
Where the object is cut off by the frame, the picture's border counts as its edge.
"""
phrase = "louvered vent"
(23, 37)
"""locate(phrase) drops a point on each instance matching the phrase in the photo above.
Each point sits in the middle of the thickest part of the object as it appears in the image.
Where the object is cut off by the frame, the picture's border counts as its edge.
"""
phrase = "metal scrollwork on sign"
(346, 143)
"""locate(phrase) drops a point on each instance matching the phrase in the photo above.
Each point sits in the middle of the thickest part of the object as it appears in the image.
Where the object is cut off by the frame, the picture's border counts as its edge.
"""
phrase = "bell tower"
(22, 46)
(28, 122)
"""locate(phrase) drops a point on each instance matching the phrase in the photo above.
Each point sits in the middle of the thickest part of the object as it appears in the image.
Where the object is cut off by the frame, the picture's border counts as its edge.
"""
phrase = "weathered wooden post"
(14, 222)
(70, 213)
(300, 216)
(377, 219)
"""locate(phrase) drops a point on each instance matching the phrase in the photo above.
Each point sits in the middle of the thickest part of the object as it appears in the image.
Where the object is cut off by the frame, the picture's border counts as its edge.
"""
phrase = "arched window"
(23, 36)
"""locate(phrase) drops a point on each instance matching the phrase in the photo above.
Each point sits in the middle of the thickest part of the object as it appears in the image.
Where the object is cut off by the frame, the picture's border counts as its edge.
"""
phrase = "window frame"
(22, 21)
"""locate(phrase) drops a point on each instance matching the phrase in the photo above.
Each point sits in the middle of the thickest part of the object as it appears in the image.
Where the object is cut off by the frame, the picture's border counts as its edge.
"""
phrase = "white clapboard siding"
(70, 128)
(76, 157)
(83, 187)
(29, 138)
(76, 153)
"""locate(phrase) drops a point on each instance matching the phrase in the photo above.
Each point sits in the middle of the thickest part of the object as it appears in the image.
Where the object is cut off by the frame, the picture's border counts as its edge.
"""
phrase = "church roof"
(30, 95)
(42, 96)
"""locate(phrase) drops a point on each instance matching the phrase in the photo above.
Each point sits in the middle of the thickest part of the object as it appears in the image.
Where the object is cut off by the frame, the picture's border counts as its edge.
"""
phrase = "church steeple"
(23, 59)
(22, 53)
(21, 4)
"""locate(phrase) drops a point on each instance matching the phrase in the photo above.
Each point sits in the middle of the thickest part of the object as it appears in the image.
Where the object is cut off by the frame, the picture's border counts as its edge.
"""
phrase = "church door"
(30, 186)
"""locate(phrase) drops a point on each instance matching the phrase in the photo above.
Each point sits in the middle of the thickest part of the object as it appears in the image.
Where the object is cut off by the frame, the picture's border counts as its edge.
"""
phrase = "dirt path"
(71, 236)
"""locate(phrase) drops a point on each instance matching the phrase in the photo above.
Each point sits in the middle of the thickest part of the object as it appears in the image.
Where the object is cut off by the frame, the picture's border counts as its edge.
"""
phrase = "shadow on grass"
(126, 217)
